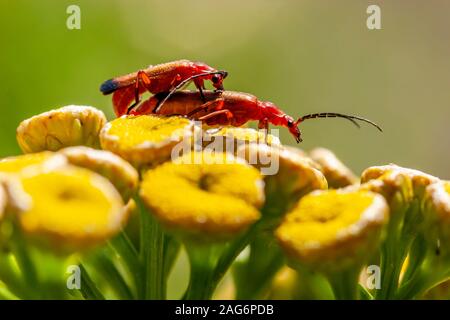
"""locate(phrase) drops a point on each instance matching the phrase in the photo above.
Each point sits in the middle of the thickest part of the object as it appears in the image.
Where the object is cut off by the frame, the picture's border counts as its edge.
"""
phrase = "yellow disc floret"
(330, 230)
(18, 163)
(145, 140)
(208, 199)
(71, 207)
(64, 127)
(122, 174)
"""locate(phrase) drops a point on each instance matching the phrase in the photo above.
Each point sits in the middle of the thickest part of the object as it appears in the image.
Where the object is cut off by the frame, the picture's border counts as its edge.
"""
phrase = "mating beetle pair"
(217, 107)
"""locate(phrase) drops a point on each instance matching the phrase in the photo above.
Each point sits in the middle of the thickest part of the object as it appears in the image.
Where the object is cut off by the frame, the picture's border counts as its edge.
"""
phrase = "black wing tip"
(109, 86)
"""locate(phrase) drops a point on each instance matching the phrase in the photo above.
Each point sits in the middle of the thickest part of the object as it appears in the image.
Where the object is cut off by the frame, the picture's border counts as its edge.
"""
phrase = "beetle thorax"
(272, 113)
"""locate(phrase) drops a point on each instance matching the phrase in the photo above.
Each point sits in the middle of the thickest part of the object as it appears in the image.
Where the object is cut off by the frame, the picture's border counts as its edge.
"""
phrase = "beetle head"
(293, 128)
(217, 79)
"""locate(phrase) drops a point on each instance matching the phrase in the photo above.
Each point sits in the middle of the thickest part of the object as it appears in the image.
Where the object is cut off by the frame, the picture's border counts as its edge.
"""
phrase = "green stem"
(107, 268)
(430, 274)
(152, 256)
(390, 273)
(416, 258)
(88, 288)
(6, 294)
(312, 286)
(364, 293)
(401, 234)
(11, 277)
(171, 249)
(233, 250)
(25, 262)
(203, 279)
(125, 249)
(255, 274)
(345, 285)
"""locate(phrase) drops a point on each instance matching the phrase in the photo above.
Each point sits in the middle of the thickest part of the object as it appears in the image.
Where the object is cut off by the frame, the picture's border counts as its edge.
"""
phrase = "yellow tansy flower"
(437, 199)
(69, 207)
(395, 187)
(287, 172)
(419, 180)
(333, 230)
(17, 164)
(206, 199)
(303, 155)
(237, 136)
(146, 140)
(336, 173)
(68, 126)
(122, 174)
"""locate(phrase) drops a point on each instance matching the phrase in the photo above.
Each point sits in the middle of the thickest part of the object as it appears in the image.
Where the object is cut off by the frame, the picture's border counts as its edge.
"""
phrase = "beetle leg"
(141, 76)
(264, 124)
(184, 82)
(204, 107)
(200, 85)
(146, 107)
(175, 115)
(202, 95)
(175, 79)
(216, 113)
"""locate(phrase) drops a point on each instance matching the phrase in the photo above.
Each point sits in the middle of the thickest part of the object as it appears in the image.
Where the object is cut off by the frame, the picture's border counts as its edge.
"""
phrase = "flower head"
(395, 187)
(122, 174)
(16, 164)
(303, 155)
(68, 207)
(209, 199)
(12, 167)
(64, 127)
(418, 179)
(240, 136)
(145, 140)
(292, 176)
(437, 199)
(333, 230)
(336, 173)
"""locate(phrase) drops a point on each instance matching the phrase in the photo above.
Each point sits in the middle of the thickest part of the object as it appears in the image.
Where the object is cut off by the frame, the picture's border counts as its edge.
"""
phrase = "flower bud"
(288, 175)
(437, 202)
(419, 179)
(336, 173)
(67, 126)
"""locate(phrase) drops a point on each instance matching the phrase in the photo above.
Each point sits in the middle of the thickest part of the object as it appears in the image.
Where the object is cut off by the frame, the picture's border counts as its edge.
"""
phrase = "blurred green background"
(305, 56)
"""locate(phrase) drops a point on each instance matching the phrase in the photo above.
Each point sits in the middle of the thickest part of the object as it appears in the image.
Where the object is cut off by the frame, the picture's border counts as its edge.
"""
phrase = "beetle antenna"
(338, 115)
(185, 81)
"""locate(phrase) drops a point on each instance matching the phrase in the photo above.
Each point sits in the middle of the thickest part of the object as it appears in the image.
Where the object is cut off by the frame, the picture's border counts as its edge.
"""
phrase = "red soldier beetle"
(232, 108)
(159, 78)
